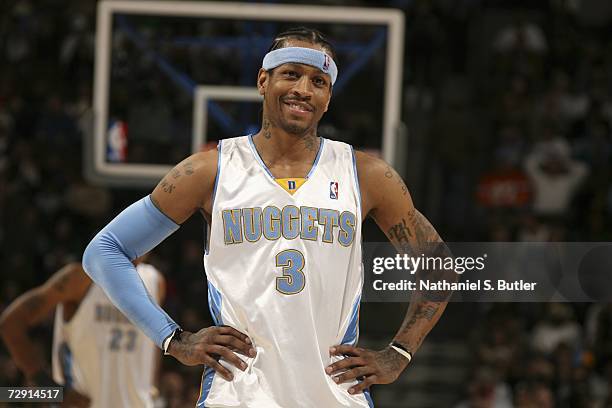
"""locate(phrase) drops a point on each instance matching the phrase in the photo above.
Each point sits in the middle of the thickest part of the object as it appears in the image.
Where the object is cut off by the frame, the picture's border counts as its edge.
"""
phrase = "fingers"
(214, 364)
(344, 364)
(235, 344)
(239, 341)
(228, 356)
(345, 349)
(233, 332)
(371, 380)
(353, 374)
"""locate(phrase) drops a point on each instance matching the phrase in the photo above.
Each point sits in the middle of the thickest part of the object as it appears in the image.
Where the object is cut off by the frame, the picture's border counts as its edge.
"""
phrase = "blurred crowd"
(508, 106)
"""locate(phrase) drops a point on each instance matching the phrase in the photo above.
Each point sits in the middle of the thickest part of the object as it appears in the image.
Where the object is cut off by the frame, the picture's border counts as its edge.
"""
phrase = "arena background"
(488, 88)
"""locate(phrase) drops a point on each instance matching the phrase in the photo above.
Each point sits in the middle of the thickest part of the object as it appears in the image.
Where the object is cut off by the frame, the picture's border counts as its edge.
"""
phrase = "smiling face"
(295, 95)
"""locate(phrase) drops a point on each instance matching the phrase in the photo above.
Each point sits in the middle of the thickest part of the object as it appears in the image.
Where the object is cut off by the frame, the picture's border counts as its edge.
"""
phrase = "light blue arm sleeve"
(107, 260)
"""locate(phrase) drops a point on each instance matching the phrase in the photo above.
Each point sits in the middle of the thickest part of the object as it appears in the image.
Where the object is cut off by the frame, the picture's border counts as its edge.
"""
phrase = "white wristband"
(167, 341)
(402, 352)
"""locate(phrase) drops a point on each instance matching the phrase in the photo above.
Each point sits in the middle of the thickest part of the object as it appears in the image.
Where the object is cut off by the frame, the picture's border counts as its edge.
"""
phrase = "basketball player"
(283, 260)
(98, 355)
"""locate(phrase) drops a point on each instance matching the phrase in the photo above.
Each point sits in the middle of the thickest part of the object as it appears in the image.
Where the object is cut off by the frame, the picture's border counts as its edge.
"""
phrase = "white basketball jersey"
(286, 270)
(100, 354)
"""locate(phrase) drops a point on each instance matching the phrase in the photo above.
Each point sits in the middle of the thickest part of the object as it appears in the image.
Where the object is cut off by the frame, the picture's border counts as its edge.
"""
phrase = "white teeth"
(298, 107)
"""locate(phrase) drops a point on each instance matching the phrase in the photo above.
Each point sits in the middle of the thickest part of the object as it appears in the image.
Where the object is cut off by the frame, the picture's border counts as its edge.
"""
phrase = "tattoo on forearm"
(423, 311)
(400, 235)
(419, 319)
(417, 229)
(423, 230)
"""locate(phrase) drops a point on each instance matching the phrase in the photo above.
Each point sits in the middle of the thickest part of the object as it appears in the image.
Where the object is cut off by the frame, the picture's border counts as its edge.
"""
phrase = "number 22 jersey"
(284, 266)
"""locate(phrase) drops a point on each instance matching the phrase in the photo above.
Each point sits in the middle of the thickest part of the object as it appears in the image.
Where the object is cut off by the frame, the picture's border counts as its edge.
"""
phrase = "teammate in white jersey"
(98, 355)
(284, 209)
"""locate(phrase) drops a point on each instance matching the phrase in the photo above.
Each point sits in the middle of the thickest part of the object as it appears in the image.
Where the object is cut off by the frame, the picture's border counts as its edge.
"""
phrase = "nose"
(303, 87)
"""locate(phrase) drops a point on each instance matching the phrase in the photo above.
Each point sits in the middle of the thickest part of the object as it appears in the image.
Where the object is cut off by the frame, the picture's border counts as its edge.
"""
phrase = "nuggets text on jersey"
(290, 222)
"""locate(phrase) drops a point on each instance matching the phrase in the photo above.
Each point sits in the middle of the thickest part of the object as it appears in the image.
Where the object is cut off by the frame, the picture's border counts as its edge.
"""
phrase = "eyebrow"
(294, 65)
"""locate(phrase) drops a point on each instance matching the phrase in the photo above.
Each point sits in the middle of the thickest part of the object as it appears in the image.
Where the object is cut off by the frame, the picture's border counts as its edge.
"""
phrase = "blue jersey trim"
(356, 181)
(258, 157)
(316, 160)
(214, 303)
(368, 397)
(352, 331)
(214, 193)
(65, 355)
(207, 379)
(262, 164)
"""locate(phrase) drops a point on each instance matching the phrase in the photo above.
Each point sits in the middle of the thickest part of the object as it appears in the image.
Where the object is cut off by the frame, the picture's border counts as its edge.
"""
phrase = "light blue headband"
(300, 55)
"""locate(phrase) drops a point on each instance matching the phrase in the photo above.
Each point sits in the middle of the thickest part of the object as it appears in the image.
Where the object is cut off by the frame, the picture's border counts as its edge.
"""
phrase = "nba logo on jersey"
(291, 184)
(333, 190)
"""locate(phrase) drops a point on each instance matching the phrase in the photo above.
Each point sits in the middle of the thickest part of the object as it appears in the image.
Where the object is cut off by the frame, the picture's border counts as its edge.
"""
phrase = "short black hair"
(310, 35)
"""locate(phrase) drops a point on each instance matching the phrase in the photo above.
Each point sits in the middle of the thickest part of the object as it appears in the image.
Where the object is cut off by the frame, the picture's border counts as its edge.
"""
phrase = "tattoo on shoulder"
(167, 187)
(188, 166)
(187, 169)
(390, 173)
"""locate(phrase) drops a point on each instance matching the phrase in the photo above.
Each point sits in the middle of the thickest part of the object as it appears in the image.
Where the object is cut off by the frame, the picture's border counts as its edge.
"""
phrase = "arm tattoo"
(421, 235)
(415, 232)
(423, 311)
(390, 173)
(188, 166)
(167, 187)
(418, 322)
(400, 235)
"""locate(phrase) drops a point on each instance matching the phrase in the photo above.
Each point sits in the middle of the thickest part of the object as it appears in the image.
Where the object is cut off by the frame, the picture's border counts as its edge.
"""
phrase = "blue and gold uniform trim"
(291, 185)
(281, 181)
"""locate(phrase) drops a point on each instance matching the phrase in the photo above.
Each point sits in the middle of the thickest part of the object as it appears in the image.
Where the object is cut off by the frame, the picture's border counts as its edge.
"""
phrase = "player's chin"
(297, 128)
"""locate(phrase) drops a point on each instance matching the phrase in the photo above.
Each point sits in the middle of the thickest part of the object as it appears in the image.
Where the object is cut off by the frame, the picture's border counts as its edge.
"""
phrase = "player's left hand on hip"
(374, 367)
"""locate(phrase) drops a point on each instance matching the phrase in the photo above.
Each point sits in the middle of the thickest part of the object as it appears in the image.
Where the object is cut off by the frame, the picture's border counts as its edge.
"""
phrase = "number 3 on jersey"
(293, 279)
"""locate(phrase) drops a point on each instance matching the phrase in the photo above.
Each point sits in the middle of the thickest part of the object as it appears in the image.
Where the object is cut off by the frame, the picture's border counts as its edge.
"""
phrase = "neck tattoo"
(266, 128)
(310, 143)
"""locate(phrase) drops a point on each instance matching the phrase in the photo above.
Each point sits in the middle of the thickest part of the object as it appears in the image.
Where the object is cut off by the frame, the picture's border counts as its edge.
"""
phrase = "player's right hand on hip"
(209, 345)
